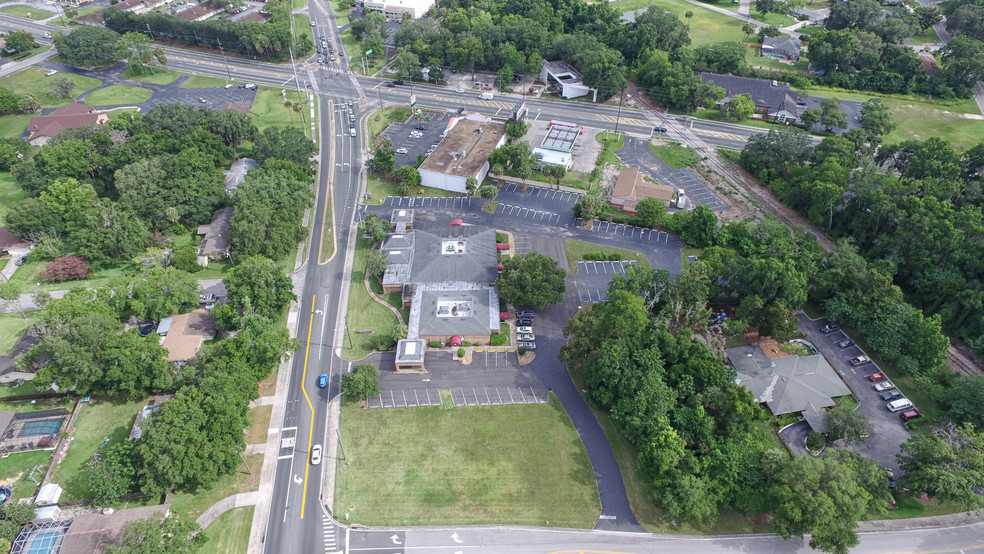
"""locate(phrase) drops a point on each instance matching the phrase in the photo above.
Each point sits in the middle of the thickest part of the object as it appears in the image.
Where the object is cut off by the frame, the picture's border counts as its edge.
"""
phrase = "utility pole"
(226, 60)
(297, 83)
(618, 117)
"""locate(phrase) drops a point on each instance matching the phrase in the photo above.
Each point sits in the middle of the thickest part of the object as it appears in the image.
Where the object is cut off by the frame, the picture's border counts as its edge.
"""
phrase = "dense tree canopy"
(258, 281)
(532, 279)
(948, 464)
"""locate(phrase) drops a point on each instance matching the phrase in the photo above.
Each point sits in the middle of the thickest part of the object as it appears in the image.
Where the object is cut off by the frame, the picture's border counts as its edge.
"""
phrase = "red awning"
(504, 315)
(456, 341)
(502, 247)
(456, 222)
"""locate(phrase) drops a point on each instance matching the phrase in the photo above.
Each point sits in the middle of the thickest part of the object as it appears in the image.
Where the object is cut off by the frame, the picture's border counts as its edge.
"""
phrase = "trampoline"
(41, 427)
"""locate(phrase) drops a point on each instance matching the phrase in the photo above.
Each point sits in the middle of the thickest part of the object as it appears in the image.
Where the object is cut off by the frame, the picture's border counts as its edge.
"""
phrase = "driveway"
(889, 431)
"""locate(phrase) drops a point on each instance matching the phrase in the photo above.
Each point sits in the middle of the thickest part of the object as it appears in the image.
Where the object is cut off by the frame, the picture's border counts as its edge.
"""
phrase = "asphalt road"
(298, 519)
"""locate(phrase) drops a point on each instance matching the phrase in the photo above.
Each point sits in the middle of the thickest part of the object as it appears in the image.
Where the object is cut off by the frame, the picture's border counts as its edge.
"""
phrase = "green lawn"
(13, 125)
(120, 113)
(380, 119)
(928, 36)
(27, 12)
(96, 422)
(259, 424)
(752, 59)
(268, 109)
(116, 95)
(91, 9)
(193, 505)
(39, 49)
(230, 532)
(675, 156)
(705, 27)
(919, 119)
(32, 81)
(10, 192)
(394, 299)
(714, 114)
(12, 326)
(363, 312)
(27, 387)
(30, 273)
(158, 77)
(200, 81)
(443, 466)
(15, 468)
(909, 507)
(576, 250)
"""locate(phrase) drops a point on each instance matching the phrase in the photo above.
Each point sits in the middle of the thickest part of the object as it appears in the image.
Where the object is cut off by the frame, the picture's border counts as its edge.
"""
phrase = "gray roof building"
(788, 48)
(788, 384)
(215, 239)
(459, 254)
(773, 98)
(454, 308)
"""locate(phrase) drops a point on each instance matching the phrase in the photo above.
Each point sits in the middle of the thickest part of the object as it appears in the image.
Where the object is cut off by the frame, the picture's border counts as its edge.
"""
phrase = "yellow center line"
(307, 461)
(330, 190)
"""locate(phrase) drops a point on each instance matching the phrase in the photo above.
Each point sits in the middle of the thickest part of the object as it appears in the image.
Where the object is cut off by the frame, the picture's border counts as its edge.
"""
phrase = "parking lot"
(628, 231)
(431, 202)
(593, 277)
(554, 196)
(541, 216)
(407, 148)
(636, 153)
(889, 430)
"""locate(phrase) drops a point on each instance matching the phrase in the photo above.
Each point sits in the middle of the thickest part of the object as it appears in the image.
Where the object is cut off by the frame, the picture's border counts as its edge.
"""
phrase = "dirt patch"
(268, 386)
(771, 348)
(525, 358)
(11, 481)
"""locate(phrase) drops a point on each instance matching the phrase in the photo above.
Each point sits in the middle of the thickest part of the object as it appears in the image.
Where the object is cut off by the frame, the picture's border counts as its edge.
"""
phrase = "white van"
(486, 96)
(681, 201)
(899, 405)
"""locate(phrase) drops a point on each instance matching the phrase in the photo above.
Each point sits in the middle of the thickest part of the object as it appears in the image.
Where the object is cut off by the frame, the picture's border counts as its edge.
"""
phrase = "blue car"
(323, 380)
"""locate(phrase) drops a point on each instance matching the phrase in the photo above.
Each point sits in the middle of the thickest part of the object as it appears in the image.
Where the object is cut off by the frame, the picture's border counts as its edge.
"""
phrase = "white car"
(884, 385)
(50, 73)
(526, 337)
(316, 455)
(401, 151)
(524, 330)
(460, 91)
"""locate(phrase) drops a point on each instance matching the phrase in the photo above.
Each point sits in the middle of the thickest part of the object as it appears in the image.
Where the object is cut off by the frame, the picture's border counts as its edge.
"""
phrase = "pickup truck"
(860, 360)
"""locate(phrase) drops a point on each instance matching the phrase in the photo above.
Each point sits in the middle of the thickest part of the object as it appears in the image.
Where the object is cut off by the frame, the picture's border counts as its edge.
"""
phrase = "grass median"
(33, 81)
(517, 464)
(576, 249)
(364, 313)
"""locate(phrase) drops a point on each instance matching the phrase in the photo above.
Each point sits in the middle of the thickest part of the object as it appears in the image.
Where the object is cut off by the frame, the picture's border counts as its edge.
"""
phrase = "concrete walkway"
(226, 504)
(379, 299)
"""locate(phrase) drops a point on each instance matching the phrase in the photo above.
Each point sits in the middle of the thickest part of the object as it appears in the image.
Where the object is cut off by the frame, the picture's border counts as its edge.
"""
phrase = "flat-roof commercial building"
(569, 79)
(557, 145)
(394, 9)
(463, 154)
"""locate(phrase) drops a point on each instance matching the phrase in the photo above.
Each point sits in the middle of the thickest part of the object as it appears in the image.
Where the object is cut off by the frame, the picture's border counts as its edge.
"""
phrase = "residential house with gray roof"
(789, 384)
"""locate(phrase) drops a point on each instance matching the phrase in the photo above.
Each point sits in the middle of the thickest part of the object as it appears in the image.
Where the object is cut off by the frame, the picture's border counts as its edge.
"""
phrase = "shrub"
(66, 268)
(498, 340)
(615, 256)
(435, 344)
(521, 350)
(815, 441)
(461, 352)
(376, 342)
(501, 238)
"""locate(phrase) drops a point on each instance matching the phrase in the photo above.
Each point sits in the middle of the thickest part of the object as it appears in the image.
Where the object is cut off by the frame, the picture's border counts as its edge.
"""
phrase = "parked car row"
(524, 330)
(895, 401)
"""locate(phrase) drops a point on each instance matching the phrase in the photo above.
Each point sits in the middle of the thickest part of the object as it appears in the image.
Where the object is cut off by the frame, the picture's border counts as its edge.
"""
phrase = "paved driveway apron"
(636, 152)
(889, 431)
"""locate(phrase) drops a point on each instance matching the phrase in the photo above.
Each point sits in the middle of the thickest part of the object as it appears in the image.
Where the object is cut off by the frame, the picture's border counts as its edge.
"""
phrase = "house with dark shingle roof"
(773, 99)
(70, 116)
(786, 48)
(789, 384)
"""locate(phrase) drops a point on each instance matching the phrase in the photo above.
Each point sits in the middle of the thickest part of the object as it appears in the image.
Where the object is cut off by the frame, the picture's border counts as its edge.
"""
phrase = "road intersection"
(298, 517)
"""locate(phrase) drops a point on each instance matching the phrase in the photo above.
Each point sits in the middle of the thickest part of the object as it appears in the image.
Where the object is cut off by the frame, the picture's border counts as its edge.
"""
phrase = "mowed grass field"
(364, 312)
(118, 95)
(706, 26)
(960, 122)
(518, 464)
(230, 532)
(32, 81)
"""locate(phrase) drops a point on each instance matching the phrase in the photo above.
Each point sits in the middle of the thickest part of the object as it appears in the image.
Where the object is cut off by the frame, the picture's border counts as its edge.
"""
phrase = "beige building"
(394, 9)
(463, 153)
(631, 187)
